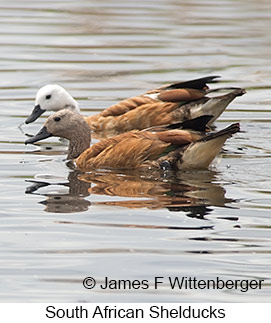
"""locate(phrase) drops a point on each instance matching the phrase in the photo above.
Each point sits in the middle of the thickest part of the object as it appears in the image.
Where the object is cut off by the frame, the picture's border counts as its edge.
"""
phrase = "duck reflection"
(193, 192)
(63, 197)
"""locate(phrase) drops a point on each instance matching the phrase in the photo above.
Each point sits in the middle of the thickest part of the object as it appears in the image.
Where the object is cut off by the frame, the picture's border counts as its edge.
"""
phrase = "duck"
(183, 147)
(165, 105)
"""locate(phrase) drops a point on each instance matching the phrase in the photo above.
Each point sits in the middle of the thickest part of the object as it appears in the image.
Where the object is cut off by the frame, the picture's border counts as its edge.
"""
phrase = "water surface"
(59, 226)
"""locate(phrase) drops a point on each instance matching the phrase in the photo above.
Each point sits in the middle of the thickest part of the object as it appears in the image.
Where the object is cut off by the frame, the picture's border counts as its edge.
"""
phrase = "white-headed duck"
(165, 105)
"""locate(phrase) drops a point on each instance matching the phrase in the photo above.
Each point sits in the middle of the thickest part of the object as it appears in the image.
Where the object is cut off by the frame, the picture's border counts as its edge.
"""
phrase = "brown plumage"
(168, 104)
(132, 149)
(168, 149)
(165, 105)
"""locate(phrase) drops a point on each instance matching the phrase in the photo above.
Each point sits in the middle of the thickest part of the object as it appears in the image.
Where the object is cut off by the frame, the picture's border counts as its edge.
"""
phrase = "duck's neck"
(73, 106)
(79, 143)
(66, 101)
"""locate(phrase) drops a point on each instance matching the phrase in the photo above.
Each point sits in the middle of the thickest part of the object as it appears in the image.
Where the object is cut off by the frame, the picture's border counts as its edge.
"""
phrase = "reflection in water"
(70, 201)
(191, 192)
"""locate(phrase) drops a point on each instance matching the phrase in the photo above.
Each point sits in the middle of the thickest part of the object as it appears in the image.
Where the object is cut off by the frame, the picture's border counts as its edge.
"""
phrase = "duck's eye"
(57, 119)
(48, 97)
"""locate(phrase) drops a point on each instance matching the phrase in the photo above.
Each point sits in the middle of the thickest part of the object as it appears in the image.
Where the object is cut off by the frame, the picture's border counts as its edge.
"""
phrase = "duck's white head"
(52, 97)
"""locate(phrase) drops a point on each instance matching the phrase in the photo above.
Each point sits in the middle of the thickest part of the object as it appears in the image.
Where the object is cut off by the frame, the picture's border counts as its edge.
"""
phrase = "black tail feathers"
(197, 84)
(230, 130)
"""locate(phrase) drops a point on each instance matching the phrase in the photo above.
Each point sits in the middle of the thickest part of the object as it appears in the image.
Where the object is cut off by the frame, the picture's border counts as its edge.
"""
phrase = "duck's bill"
(42, 134)
(37, 111)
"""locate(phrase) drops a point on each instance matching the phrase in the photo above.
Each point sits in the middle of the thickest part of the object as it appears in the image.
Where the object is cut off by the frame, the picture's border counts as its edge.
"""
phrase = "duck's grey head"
(69, 125)
(52, 97)
(64, 124)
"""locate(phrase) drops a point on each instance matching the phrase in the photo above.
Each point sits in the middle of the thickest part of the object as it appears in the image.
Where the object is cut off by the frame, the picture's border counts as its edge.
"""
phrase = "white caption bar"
(157, 312)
